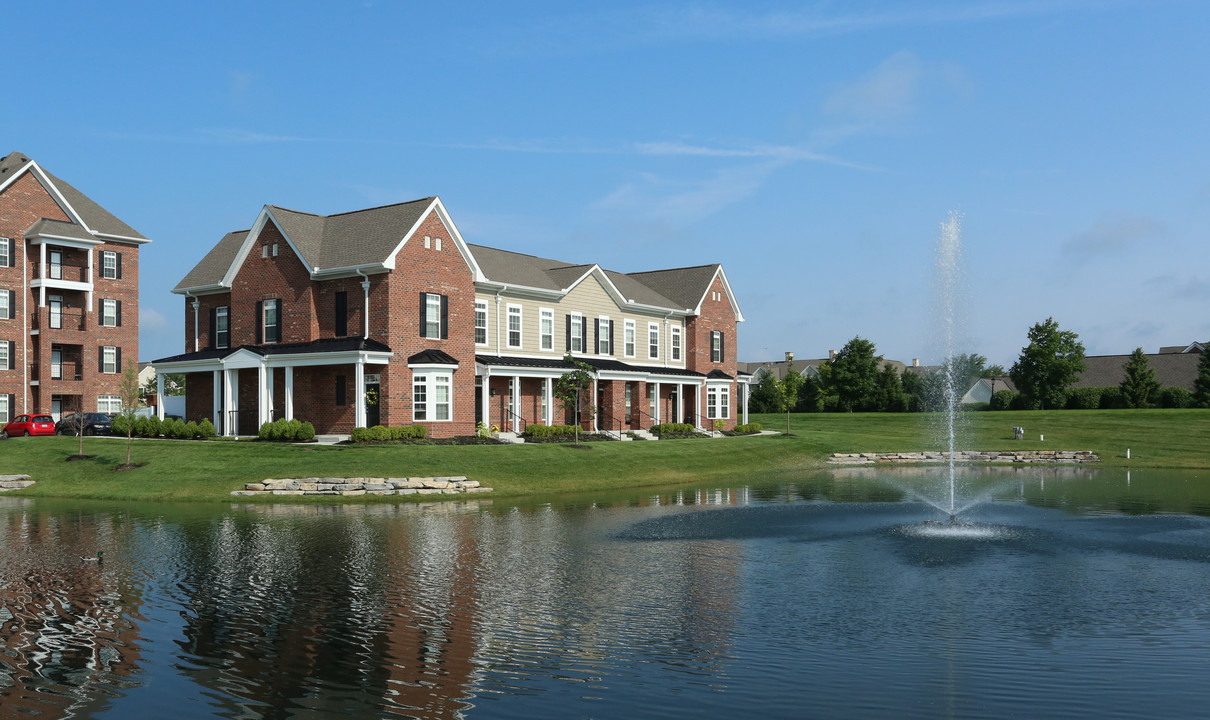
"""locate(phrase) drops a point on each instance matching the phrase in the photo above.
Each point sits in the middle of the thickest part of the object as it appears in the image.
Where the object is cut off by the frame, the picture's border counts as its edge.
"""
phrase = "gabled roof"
(1171, 370)
(86, 213)
(212, 268)
(1193, 347)
(323, 345)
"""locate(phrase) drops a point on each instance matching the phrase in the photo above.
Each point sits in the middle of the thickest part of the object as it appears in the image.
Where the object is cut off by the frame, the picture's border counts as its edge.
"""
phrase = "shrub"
(360, 435)
(1088, 398)
(206, 429)
(540, 431)
(266, 431)
(121, 424)
(977, 407)
(141, 427)
(1170, 397)
(191, 430)
(178, 429)
(292, 428)
(1112, 399)
(1022, 402)
(155, 426)
(306, 432)
(672, 429)
(408, 432)
(749, 429)
(1002, 399)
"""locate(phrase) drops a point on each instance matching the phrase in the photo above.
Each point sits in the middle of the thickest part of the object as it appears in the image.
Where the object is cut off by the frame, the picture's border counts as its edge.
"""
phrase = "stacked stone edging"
(965, 456)
(14, 482)
(363, 486)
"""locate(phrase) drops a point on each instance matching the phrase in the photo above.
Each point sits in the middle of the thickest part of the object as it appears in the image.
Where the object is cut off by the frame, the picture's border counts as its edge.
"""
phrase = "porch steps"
(510, 437)
(644, 434)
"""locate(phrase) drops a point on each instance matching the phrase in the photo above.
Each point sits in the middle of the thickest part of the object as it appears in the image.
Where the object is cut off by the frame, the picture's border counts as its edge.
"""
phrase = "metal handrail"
(509, 414)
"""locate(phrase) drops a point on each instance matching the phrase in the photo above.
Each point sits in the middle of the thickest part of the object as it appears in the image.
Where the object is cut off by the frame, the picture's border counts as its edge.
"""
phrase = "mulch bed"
(131, 466)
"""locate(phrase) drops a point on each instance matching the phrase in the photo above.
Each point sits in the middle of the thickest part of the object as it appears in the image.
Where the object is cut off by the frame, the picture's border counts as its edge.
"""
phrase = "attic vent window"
(438, 244)
(274, 249)
(428, 242)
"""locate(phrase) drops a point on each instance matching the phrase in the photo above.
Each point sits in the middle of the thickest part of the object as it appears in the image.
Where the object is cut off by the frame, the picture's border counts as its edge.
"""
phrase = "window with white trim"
(577, 332)
(109, 313)
(546, 329)
(6, 312)
(109, 264)
(514, 326)
(604, 342)
(271, 321)
(6, 252)
(432, 315)
(109, 359)
(222, 333)
(4, 355)
(480, 322)
(716, 346)
(431, 397)
(653, 341)
(675, 342)
(628, 338)
(4, 409)
(109, 404)
(718, 402)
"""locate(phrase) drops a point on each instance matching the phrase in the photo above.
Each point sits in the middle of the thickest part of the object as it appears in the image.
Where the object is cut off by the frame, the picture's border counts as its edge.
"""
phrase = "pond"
(1062, 594)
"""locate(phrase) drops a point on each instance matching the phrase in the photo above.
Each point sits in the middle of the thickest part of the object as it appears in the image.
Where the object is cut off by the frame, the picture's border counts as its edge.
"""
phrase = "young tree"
(766, 396)
(790, 386)
(1140, 384)
(1201, 385)
(853, 374)
(810, 395)
(890, 390)
(1050, 363)
(72, 414)
(131, 394)
(570, 388)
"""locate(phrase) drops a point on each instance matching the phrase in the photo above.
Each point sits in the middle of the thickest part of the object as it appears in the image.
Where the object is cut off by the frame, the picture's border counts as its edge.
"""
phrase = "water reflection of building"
(67, 635)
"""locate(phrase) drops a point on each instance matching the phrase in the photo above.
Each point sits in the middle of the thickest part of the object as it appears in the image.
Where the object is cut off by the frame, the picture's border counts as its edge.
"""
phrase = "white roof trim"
(249, 241)
(55, 193)
(739, 316)
(455, 235)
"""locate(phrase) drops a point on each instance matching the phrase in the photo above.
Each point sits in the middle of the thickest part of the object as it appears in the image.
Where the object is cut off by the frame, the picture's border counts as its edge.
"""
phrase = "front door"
(56, 311)
(373, 406)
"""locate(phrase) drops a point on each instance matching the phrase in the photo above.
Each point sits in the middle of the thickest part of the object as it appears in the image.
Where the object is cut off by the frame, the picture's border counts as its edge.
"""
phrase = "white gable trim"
(55, 193)
(249, 242)
(455, 235)
(739, 316)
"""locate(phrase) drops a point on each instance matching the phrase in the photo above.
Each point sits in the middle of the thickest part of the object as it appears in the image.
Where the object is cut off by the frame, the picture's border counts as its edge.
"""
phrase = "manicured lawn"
(209, 471)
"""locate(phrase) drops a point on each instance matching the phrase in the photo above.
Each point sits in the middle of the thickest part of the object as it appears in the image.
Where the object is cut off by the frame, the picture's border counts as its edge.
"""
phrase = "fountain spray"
(949, 283)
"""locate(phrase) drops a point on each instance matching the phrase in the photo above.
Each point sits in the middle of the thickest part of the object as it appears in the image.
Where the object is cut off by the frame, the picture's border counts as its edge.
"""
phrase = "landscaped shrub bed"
(749, 429)
(538, 431)
(674, 431)
(282, 430)
(153, 427)
(380, 434)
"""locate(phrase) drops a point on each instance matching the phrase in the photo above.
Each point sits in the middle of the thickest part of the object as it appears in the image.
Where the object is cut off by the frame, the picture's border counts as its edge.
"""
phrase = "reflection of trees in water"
(67, 640)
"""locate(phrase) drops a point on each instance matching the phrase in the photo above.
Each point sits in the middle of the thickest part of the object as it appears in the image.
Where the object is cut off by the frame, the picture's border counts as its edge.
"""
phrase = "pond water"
(1063, 594)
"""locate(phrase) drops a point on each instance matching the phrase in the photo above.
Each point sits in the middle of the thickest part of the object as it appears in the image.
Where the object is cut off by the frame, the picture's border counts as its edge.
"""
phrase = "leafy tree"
(890, 396)
(810, 395)
(853, 375)
(791, 384)
(130, 393)
(766, 396)
(571, 386)
(174, 384)
(964, 369)
(1201, 385)
(1050, 363)
(993, 371)
(1140, 384)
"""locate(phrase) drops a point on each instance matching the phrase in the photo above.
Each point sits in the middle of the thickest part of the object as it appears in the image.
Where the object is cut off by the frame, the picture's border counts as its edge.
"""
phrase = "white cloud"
(884, 95)
(1114, 233)
(653, 198)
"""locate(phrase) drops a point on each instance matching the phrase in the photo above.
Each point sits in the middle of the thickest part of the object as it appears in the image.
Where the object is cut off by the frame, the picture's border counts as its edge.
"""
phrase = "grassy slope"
(209, 471)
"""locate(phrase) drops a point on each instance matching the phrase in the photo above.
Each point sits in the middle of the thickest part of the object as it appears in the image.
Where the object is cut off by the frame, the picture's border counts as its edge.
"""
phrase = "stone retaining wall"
(363, 486)
(14, 482)
(968, 456)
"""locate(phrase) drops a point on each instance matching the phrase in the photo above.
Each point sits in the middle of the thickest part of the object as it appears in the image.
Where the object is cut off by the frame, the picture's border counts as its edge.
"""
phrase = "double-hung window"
(6, 252)
(272, 321)
(629, 338)
(434, 314)
(674, 342)
(420, 397)
(109, 404)
(653, 341)
(109, 265)
(716, 346)
(111, 313)
(4, 408)
(431, 397)
(222, 333)
(109, 359)
(546, 328)
(4, 355)
(604, 341)
(718, 405)
(56, 264)
(575, 333)
(6, 305)
(514, 326)
(480, 322)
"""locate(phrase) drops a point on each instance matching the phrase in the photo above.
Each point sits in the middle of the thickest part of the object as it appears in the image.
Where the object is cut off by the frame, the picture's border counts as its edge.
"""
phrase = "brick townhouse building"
(69, 295)
(387, 316)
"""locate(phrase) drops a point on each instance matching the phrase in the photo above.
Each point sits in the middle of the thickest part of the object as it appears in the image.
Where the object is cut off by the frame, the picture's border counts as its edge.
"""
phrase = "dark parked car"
(30, 425)
(86, 423)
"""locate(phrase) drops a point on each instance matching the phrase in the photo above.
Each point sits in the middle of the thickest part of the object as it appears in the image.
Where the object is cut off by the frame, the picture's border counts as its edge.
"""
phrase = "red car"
(30, 425)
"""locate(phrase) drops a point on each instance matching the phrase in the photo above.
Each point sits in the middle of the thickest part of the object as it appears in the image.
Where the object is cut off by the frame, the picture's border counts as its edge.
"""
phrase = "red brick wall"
(715, 315)
(282, 277)
(21, 205)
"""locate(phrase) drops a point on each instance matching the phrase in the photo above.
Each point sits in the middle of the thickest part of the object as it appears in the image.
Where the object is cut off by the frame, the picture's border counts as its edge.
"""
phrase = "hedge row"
(672, 429)
(153, 427)
(749, 429)
(540, 431)
(1096, 398)
(282, 430)
(380, 433)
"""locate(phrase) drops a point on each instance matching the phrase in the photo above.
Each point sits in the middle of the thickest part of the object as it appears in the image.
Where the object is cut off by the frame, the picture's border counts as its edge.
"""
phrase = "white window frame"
(653, 341)
(674, 341)
(6, 313)
(54, 263)
(604, 341)
(480, 314)
(546, 329)
(109, 404)
(5, 410)
(56, 363)
(222, 315)
(3, 354)
(109, 265)
(718, 402)
(716, 346)
(427, 402)
(6, 252)
(109, 358)
(420, 391)
(629, 332)
(268, 306)
(432, 316)
(577, 323)
(513, 335)
(109, 313)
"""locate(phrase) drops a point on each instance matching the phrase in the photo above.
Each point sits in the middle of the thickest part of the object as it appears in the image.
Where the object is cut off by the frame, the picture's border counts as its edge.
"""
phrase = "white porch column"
(680, 403)
(289, 399)
(267, 394)
(485, 400)
(655, 418)
(231, 403)
(514, 402)
(216, 407)
(42, 275)
(197, 304)
(548, 392)
(159, 396)
(593, 403)
(745, 391)
(697, 406)
(359, 393)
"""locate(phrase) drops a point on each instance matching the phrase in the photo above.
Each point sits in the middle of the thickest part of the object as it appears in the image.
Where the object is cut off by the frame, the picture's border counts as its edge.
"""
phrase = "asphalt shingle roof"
(94, 216)
(1171, 370)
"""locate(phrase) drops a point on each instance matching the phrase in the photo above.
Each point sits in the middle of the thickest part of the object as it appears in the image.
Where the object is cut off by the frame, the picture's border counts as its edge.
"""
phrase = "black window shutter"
(260, 321)
(12, 349)
(100, 358)
(118, 303)
(342, 314)
(12, 305)
(119, 265)
(214, 328)
(117, 360)
(423, 315)
(612, 338)
(596, 336)
(281, 319)
(568, 336)
(445, 317)
(722, 347)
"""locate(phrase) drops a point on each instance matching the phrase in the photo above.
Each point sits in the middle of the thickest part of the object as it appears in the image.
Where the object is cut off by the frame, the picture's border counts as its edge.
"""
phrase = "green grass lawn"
(209, 471)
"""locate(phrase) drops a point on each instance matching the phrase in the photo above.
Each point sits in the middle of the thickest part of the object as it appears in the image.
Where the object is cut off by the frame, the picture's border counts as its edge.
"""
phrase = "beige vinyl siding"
(591, 300)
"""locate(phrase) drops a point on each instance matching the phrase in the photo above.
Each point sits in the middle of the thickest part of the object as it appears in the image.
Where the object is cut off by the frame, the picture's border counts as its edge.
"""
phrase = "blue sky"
(812, 148)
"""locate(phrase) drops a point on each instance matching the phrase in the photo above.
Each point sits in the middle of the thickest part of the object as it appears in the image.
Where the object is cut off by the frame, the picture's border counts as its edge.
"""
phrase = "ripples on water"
(665, 606)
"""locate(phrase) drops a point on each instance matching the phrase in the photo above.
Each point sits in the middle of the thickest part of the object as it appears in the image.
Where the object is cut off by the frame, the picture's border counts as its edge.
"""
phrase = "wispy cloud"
(1115, 233)
(885, 94)
(651, 197)
(217, 136)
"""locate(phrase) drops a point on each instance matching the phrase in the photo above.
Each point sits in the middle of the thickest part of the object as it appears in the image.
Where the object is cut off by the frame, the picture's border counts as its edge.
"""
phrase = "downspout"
(499, 299)
(365, 287)
(25, 330)
(667, 351)
(197, 304)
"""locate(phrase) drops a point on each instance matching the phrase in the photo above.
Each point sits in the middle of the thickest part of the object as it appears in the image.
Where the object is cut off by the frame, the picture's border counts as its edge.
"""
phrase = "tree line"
(858, 379)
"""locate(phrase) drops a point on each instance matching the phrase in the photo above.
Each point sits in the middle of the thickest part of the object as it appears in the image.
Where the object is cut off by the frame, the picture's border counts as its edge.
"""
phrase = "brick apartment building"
(69, 295)
(387, 316)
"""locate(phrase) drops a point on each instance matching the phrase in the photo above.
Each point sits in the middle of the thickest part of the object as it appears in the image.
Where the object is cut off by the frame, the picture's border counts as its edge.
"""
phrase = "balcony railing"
(60, 271)
(74, 319)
